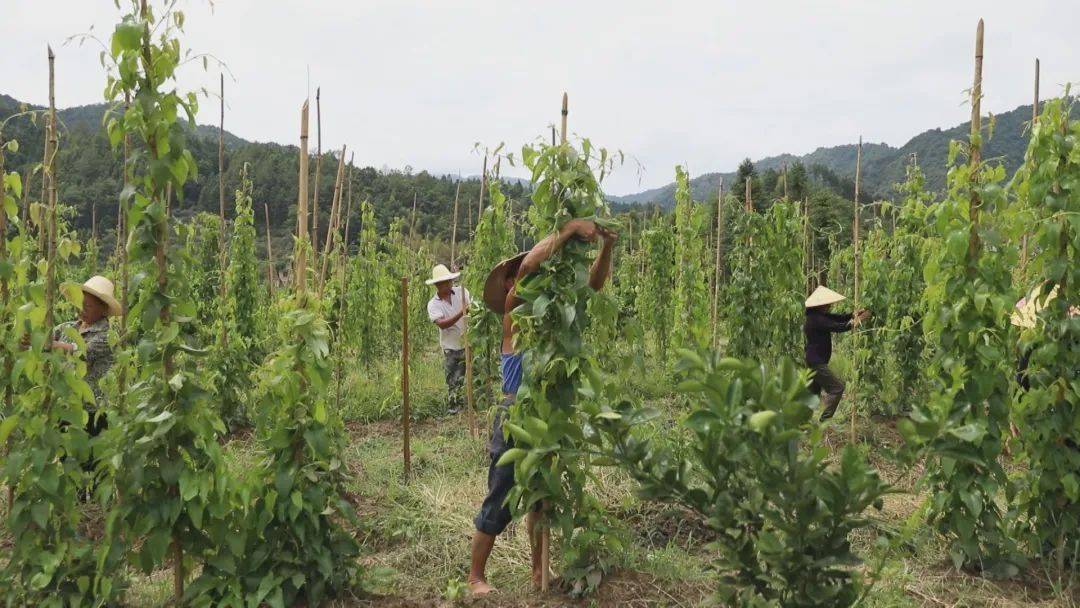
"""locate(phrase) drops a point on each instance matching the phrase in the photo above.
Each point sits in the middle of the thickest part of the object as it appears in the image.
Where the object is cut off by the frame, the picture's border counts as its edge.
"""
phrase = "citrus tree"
(756, 472)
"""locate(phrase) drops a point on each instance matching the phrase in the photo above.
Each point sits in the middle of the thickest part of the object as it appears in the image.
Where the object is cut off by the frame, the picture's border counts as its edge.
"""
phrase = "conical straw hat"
(441, 273)
(1028, 309)
(822, 296)
(102, 289)
(495, 285)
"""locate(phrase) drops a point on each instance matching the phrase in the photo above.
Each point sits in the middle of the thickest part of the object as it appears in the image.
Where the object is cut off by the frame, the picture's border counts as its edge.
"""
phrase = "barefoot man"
(500, 296)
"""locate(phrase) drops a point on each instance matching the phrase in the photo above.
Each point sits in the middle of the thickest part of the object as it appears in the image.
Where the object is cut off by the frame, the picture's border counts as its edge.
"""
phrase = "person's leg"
(455, 380)
(832, 386)
(494, 515)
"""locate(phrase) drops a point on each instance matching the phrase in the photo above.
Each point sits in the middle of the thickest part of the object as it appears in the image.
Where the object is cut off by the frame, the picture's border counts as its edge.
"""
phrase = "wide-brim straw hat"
(441, 273)
(495, 286)
(102, 289)
(1028, 309)
(823, 296)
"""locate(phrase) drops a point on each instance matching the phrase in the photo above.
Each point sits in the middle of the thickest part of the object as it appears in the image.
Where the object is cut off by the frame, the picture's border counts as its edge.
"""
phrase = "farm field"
(790, 392)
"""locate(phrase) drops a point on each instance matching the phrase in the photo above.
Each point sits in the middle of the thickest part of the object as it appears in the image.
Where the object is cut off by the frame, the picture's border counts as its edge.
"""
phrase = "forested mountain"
(883, 165)
(89, 172)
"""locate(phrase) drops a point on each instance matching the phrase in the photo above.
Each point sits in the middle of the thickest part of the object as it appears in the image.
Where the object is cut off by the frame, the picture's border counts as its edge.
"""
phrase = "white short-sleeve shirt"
(451, 338)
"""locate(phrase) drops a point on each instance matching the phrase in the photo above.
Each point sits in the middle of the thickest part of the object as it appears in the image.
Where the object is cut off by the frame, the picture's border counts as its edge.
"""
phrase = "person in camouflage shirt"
(93, 327)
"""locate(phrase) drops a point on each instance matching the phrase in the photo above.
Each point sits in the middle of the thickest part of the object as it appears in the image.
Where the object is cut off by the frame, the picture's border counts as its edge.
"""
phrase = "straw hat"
(441, 273)
(102, 289)
(1028, 309)
(495, 286)
(822, 296)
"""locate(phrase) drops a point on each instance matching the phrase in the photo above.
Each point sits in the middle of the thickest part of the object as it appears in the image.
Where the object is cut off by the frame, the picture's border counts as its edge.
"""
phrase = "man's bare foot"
(480, 587)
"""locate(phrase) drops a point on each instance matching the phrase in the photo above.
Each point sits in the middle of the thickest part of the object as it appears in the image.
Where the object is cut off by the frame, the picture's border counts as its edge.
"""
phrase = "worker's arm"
(581, 229)
(601, 268)
(448, 322)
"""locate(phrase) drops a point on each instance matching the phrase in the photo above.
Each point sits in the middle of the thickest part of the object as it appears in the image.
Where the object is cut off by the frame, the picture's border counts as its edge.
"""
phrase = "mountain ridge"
(882, 166)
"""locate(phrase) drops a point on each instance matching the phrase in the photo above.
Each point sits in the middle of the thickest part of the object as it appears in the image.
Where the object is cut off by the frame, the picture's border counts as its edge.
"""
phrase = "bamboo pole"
(483, 189)
(412, 220)
(406, 413)
(223, 254)
(318, 170)
(857, 260)
(974, 244)
(333, 220)
(749, 200)
(4, 298)
(342, 300)
(453, 230)
(49, 177)
(808, 268)
(301, 217)
(784, 175)
(1034, 119)
(565, 114)
(269, 252)
(716, 269)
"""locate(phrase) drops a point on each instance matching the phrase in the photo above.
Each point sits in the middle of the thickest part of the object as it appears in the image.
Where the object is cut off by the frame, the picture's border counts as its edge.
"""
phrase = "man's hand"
(609, 236)
(586, 230)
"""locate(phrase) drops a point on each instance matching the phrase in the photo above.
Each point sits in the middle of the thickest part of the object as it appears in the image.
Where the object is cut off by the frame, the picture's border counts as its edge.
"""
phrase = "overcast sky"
(703, 83)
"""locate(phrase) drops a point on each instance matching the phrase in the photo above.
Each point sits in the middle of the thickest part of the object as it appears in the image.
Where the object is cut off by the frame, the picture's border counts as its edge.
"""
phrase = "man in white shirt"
(447, 310)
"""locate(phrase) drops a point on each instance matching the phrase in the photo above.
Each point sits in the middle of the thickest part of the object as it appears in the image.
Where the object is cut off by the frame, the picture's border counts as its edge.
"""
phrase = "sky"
(699, 83)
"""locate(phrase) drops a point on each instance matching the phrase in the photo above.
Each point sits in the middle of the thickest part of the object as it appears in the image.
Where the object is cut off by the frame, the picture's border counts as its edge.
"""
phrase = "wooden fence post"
(406, 413)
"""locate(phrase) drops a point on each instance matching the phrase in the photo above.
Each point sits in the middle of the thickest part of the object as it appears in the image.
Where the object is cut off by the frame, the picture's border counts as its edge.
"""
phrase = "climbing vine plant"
(960, 427)
(1049, 183)
(691, 293)
(654, 306)
(169, 474)
(493, 242)
(764, 308)
(552, 420)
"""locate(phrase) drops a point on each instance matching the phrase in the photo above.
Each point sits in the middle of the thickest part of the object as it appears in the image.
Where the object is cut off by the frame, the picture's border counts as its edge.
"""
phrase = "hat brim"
(495, 285)
(824, 300)
(115, 310)
(443, 279)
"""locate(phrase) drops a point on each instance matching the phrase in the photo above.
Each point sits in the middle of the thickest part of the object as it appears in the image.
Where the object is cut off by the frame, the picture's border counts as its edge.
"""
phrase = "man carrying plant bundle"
(447, 309)
(818, 328)
(501, 297)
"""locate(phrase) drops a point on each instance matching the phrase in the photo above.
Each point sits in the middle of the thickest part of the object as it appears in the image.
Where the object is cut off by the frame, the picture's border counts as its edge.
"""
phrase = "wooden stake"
(784, 175)
(269, 252)
(318, 170)
(545, 551)
(406, 413)
(857, 261)
(749, 194)
(453, 230)
(301, 216)
(224, 256)
(342, 300)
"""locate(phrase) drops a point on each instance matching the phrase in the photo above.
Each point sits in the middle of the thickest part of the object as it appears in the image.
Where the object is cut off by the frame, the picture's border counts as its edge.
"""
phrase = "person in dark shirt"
(819, 327)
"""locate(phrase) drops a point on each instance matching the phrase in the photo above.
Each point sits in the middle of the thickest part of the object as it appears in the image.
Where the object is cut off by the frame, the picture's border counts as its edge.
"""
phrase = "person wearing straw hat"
(500, 296)
(818, 328)
(447, 309)
(98, 304)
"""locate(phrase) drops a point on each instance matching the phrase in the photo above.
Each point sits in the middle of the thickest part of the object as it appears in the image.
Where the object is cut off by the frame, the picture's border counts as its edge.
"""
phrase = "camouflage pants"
(454, 367)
